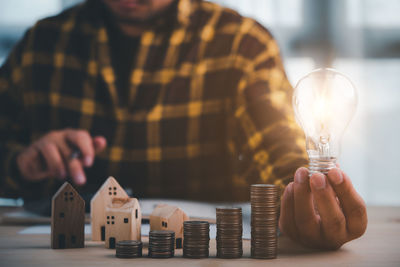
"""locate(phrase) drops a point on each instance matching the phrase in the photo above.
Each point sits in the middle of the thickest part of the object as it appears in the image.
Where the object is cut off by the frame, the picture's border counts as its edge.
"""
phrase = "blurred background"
(360, 38)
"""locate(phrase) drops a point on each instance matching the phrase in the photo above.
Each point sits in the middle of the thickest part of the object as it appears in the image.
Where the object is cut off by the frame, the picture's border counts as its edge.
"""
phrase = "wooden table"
(380, 246)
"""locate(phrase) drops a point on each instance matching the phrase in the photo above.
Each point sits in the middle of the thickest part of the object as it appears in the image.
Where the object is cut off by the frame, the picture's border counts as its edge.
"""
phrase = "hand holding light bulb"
(321, 208)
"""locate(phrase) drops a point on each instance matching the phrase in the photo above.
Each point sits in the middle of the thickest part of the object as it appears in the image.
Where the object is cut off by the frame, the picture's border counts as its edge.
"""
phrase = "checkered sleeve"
(270, 143)
(13, 135)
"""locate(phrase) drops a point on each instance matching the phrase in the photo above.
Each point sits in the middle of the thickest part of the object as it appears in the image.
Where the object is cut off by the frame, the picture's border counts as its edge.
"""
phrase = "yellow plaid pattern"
(208, 112)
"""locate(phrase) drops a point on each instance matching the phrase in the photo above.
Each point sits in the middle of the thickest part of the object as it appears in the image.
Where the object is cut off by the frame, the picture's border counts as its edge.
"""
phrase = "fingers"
(74, 166)
(54, 161)
(339, 216)
(83, 142)
(64, 149)
(31, 165)
(88, 147)
(333, 222)
(99, 143)
(352, 204)
(286, 219)
(76, 172)
(50, 156)
(306, 220)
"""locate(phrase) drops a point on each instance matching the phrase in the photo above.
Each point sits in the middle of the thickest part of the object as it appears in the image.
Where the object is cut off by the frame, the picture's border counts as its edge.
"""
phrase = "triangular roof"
(165, 210)
(123, 204)
(110, 180)
(66, 187)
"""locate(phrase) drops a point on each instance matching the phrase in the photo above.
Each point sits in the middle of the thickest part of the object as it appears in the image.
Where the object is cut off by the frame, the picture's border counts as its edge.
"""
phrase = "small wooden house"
(109, 190)
(67, 218)
(167, 217)
(123, 221)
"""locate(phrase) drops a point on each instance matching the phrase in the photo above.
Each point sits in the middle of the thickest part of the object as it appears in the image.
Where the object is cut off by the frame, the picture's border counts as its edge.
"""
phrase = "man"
(177, 99)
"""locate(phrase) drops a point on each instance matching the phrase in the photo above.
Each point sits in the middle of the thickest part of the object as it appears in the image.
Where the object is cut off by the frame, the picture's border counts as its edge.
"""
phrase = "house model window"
(123, 225)
(112, 190)
(67, 218)
(71, 196)
(104, 196)
(168, 217)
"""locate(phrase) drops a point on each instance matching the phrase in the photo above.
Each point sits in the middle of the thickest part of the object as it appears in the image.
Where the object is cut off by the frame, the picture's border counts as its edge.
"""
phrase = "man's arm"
(269, 141)
(24, 161)
(13, 129)
(319, 211)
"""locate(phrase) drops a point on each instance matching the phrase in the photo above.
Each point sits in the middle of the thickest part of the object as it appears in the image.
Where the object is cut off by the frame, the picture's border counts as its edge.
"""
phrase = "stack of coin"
(264, 216)
(229, 233)
(129, 249)
(196, 239)
(161, 244)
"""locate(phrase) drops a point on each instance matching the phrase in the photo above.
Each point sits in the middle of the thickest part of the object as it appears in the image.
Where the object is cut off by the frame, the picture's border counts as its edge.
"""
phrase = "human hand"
(51, 155)
(322, 211)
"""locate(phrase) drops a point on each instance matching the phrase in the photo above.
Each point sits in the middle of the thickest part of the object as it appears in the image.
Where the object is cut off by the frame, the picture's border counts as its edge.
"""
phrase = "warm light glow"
(324, 102)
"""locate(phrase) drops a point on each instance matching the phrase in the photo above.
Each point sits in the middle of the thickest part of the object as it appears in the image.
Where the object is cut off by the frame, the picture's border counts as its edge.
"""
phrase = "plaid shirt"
(209, 108)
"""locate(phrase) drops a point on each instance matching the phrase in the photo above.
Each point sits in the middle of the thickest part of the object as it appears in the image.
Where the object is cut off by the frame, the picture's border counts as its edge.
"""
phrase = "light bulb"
(324, 103)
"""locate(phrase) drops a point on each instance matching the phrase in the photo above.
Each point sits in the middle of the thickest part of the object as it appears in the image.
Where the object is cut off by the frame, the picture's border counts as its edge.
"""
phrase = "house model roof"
(67, 187)
(164, 210)
(110, 182)
(123, 204)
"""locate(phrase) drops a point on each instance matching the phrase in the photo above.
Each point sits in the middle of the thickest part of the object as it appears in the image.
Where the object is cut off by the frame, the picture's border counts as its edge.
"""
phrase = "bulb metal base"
(322, 165)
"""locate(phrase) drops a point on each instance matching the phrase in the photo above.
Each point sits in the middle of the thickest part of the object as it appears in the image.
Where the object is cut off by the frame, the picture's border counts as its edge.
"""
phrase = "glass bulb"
(324, 103)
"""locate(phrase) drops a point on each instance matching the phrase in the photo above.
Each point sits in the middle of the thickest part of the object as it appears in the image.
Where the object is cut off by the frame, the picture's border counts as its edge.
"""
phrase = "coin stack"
(229, 233)
(196, 239)
(264, 216)
(161, 243)
(129, 249)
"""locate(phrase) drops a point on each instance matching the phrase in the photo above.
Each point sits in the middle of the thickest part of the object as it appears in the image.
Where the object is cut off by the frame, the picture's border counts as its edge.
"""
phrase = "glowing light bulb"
(324, 102)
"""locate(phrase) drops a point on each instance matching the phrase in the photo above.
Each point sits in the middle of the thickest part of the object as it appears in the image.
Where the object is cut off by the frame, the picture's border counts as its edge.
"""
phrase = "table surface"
(380, 246)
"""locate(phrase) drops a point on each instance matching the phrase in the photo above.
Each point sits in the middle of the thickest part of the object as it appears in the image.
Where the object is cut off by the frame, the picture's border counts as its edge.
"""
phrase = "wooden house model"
(123, 221)
(167, 217)
(109, 190)
(67, 218)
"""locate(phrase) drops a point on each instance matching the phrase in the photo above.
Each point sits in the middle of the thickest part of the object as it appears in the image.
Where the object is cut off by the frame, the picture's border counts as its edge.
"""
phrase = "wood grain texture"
(168, 217)
(123, 221)
(378, 247)
(67, 218)
(109, 190)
